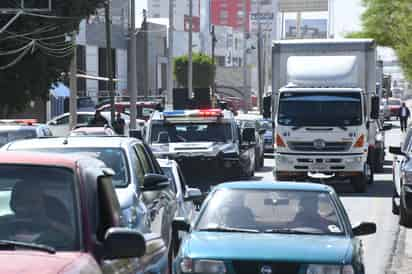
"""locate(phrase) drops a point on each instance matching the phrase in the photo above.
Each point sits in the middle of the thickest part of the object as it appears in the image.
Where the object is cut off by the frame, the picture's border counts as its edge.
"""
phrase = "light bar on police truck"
(194, 113)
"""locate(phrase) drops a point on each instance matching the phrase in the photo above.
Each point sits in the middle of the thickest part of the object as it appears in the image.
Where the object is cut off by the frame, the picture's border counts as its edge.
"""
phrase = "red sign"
(195, 23)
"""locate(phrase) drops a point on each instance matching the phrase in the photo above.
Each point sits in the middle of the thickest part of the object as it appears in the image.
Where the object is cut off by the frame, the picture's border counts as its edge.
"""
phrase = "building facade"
(230, 13)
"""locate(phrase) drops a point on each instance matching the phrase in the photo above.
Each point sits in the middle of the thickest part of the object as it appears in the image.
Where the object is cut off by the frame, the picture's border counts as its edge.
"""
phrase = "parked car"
(394, 104)
(377, 146)
(147, 201)
(61, 215)
(84, 130)
(252, 121)
(267, 124)
(264, 227)
(186, 197)
(60, 124)
(11, 130)
(384, 110)
(402, 179)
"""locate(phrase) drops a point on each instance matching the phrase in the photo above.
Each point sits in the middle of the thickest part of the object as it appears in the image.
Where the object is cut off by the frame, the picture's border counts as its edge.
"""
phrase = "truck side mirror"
(375, 107)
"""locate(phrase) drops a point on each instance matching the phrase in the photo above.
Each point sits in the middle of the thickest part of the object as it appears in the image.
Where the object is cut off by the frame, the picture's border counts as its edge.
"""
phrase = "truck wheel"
(405, 219)
(359, 183)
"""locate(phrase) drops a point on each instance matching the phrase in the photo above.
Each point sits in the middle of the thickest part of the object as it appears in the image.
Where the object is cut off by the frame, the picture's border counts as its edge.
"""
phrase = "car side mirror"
(248, 135)
(153, 182)
(180, 224)
(262, 131)
(193, 194)
(121, 243)
(375, 107)
(364, 229)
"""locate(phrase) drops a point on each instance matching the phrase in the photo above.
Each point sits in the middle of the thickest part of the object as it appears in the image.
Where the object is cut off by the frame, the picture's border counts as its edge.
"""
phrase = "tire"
(405, 219)
(395, 207)
(359, 183)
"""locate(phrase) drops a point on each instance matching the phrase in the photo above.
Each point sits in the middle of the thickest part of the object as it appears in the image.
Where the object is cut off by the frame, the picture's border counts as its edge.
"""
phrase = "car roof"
(275, 185)
(43, 159)
(17, 127)
(73, 142)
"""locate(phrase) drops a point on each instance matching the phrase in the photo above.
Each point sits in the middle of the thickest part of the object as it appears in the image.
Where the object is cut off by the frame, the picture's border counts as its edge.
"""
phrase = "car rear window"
(38, 206)
(7, 136)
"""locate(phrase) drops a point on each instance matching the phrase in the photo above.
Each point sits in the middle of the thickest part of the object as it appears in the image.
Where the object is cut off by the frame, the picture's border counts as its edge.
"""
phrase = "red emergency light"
(214, 112)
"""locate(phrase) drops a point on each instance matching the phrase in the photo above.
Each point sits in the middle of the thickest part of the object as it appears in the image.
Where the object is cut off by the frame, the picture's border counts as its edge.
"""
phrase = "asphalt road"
(382, 248)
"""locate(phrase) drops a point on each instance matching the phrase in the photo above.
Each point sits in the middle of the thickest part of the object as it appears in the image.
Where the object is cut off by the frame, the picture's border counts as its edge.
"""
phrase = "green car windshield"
(38, 208)
(271, 211)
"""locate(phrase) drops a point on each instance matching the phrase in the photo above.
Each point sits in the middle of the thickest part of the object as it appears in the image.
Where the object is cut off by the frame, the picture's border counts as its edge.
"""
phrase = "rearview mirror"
(121, 243)
(153, 182)
(277, 202)
(375, 107)
(364, 229)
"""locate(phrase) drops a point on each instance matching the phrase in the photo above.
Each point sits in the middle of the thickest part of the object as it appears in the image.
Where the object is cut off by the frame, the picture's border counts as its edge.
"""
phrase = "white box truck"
(324, 102)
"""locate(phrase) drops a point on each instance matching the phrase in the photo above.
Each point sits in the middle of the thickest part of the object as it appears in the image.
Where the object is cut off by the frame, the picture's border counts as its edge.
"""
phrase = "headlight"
(354, 160)
(325, 269)
(188, 265)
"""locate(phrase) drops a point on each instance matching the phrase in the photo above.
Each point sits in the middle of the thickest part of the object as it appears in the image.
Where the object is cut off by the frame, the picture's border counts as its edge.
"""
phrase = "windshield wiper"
(292, 231)
(5, 244)
(229, 229)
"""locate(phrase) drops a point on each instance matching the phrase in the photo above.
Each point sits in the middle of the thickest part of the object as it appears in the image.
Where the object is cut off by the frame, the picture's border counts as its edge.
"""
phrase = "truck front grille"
(329, 146)
(255, 267)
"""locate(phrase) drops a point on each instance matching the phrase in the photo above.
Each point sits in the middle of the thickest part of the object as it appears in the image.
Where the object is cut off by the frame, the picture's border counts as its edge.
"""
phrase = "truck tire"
(359, 183)
(405, 219)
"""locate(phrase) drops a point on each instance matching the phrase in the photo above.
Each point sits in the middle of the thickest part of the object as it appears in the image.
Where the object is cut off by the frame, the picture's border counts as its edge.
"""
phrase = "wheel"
(395, 207)
(405, 219)
(359, 183)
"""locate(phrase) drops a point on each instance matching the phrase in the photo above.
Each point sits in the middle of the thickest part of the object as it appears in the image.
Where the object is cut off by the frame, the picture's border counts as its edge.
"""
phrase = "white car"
(60, 124)
(185, 195)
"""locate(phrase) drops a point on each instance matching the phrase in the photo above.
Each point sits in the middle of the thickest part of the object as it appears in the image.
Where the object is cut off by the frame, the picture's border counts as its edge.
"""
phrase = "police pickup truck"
(204, 142)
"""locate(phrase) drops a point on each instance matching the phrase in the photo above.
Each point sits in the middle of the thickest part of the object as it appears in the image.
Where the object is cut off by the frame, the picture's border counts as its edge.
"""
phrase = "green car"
(270, 228)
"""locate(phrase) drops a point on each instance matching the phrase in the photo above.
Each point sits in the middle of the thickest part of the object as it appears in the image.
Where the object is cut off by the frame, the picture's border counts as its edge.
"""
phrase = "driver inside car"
(309, 216)
(237, 214)
(35, 219)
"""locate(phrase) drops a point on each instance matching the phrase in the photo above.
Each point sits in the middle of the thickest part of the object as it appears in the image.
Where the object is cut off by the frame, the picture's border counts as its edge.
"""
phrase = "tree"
(41, 42)
(204, 71)
(390, 24)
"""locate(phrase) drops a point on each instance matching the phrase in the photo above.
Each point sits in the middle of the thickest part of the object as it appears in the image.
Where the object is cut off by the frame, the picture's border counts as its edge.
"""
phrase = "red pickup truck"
(61, 215)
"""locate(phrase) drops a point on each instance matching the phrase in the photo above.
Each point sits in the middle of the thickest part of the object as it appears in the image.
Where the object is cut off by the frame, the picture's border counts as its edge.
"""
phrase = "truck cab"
(323, 110)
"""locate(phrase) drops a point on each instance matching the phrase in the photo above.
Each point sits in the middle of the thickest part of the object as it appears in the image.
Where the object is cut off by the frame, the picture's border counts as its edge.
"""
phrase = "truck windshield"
(320, 109)
(191, 132)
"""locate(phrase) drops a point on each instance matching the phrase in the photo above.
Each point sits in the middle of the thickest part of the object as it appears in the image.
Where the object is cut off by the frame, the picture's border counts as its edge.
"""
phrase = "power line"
(15, 61)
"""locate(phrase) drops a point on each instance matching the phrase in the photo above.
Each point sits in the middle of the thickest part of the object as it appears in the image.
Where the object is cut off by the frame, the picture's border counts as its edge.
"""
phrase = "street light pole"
(190, 60)
(73, 86)
(169, 99)
(132, 74)
(109, 57)
(259, 56)
(244, 63)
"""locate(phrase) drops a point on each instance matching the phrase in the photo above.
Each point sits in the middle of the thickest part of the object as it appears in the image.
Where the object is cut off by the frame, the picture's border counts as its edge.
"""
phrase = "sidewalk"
(402, 257)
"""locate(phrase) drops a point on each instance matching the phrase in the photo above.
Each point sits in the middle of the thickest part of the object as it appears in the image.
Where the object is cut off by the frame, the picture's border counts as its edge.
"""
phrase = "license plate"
(319, 167)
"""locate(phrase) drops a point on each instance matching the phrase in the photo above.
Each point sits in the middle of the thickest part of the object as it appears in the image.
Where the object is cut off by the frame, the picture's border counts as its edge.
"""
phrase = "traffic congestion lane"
(381, 249)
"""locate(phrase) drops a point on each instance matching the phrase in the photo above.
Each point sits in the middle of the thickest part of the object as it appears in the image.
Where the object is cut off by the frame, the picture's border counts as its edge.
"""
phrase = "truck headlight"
(188, 265)
(329, 269)
(353, 160)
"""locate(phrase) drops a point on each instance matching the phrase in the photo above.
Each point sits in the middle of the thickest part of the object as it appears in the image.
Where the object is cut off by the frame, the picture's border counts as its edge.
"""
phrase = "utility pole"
(246, 91)
(169, 99)
(214, 40)
(190, 61)
(259, 55)
(109, 60)
(146, 55)
(73, 86)
(132, 74)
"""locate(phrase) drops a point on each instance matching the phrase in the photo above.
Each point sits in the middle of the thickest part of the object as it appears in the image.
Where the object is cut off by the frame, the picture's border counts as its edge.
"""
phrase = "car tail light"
(279, 141)
(210, 112)
(360, 142)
